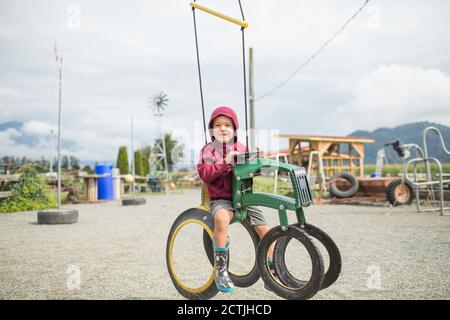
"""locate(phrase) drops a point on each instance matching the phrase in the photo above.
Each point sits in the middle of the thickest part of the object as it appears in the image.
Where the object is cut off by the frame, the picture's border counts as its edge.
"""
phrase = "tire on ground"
(133, 202)
(336, 192)
(399, 193)
(58, 217)
(312, 285)
(335, 261)
(239, 280)
(204, 218)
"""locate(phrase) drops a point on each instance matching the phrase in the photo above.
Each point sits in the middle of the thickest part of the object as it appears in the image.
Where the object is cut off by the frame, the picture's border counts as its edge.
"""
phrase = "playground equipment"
(288, 284)
(336, 154)
(330, 162)
(334, 163)
(427, 184)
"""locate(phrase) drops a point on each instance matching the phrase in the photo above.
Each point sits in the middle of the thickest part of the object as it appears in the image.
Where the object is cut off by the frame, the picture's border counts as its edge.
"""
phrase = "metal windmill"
(159, 103)
(158, 157)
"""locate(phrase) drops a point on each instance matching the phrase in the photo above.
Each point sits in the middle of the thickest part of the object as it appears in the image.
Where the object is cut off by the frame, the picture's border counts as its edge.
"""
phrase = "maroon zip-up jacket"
(212, 168)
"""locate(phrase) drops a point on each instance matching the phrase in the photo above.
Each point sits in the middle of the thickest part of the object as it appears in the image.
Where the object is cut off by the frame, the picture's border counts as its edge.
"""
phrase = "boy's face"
(223, 129)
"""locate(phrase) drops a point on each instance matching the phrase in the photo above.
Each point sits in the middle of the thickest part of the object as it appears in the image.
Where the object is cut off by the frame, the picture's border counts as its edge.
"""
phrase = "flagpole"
(59, 133)
(59, 216)
(51, 151)
(133, 171)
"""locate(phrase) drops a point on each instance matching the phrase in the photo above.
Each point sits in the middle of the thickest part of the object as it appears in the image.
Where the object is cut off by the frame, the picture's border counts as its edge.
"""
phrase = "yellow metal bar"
(243, 24)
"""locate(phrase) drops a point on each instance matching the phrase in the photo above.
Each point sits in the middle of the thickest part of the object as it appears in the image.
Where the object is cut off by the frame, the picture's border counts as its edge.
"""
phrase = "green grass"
(395, 169)
(52, 194)
(266, 185)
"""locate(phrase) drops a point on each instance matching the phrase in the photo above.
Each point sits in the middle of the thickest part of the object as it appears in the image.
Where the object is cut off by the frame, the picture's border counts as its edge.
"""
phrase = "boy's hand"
(230, 156)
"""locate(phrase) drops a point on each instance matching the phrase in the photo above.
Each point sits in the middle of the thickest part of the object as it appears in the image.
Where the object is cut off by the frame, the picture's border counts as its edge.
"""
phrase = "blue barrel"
(105, 184)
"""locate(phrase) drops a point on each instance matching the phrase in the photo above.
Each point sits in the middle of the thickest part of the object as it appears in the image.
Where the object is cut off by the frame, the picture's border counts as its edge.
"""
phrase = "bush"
(28, 193)
(88, 170)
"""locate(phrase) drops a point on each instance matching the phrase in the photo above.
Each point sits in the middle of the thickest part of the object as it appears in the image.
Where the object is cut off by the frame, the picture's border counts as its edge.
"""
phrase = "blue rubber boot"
(222, 279)
(273, 271)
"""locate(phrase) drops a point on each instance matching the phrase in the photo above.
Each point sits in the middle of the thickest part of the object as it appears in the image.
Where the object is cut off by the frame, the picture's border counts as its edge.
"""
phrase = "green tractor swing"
(288, 285)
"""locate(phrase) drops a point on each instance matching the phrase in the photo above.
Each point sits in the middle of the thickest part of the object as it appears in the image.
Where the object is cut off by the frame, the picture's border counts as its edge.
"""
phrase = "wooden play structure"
(6, 181)
(337, 154)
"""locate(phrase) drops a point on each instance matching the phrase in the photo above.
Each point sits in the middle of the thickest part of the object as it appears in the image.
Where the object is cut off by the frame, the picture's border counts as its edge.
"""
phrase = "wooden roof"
(315, 138)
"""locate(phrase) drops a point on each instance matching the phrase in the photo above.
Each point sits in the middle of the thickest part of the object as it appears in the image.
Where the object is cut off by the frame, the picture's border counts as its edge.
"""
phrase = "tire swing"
(289, 289)
(244, 197)
(335, 262)
(194, 217)
(201, 215)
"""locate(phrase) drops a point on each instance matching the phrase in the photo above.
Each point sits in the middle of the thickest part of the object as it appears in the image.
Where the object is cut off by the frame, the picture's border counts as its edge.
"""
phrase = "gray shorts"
(255, 215)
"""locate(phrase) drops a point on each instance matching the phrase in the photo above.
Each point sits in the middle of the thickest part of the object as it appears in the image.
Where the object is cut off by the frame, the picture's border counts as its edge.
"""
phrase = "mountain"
(28, 139)
(407, 133)
(11, 125)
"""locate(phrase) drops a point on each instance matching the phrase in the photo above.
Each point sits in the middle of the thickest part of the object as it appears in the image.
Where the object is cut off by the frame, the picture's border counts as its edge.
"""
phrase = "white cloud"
(392, 95)
(9, 147)
(6, 92)
(37, 128)
(6, 137)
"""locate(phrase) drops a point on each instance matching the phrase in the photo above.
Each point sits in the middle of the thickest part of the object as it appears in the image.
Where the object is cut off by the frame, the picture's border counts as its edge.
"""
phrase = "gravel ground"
(119, 252)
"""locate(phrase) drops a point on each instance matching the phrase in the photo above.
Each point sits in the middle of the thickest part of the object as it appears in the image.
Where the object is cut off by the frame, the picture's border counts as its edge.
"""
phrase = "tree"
(44, 163)
(6, 160)
(65, 162)
(145, 159)
(74, 161)
(122, 160)
(139, 169)
(88, 169)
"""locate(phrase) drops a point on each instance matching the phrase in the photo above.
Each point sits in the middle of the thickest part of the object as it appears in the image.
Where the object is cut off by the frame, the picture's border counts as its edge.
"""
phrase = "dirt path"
(119, 253)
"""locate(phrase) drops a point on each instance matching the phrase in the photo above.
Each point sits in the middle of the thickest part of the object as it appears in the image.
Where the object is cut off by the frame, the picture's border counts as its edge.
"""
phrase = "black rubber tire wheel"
(312, 286)
(335, 192)
(57, 217)
(331, 274)
(133, 201)
(243, 280)
(396, 196)
(206, 220)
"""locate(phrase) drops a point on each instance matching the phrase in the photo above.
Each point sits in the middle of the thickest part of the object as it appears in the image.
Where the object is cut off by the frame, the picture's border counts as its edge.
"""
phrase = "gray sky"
(390, 66)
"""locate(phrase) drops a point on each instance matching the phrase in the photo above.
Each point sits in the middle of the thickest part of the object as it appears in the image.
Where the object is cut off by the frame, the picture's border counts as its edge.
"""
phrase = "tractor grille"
(302, 185)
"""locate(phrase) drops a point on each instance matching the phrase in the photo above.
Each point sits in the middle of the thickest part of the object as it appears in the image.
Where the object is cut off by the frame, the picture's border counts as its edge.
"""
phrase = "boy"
(215, 170)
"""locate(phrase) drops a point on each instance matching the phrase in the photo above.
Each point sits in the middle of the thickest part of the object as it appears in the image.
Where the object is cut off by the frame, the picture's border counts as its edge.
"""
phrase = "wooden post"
(90, 183)
(292, 143)
(251, 102)
(350, 149)
(359, 148)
